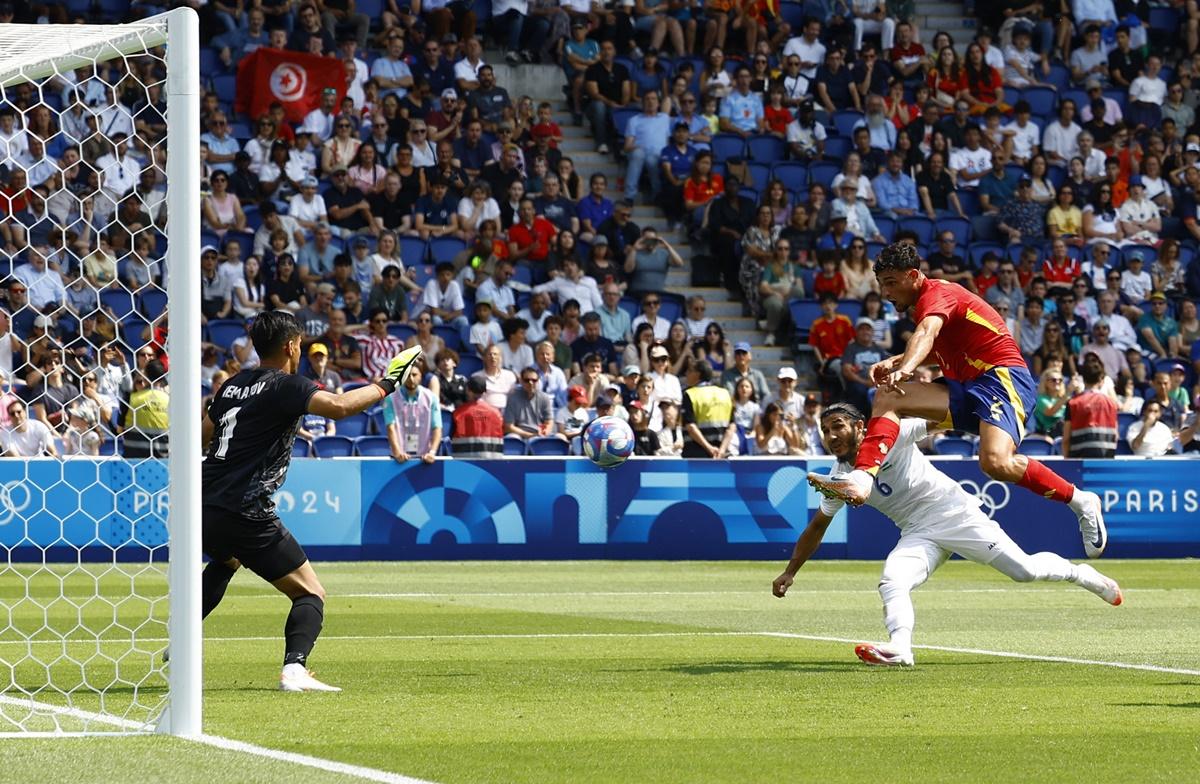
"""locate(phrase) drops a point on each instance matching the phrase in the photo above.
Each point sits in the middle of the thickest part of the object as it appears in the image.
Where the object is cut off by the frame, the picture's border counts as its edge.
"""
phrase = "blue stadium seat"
(749, 193)
(954, 445)
(548, 445)
(1123, 448)
(413, 251)
(377, 423)
(449, 335)
(960, 228)
(515, 445)
(759, 173)
(1123, 422)
(333, 446)
(793, 174)
(1036, 446)
(823, 172)
(793, 14)
(844, 121)
(836, 149)
(621, 118)
(354, 425)
(1149, 255)
(152, 302)
(445, 248)
(1014, 170)
(922, 227)
(1060, 76)
(886, 226)
(372, 8)
(969, 201)
(728, 145)
(1042, 100)
(401, 332)
(469, 364)
(804, 312)
(422, 273)
(1078, 96)
(671, 306)
(372, 446)
(300, 448)
(225, 86)
(978, 249)
(631, 306)
(766, 148)
(222, 332)
(118, 301)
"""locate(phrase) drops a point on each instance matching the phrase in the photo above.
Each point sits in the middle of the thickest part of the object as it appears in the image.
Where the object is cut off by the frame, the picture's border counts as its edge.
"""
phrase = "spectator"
(936, 189)
(895, 191)
(215, 294)
(1090, 428)
(555, 207)
(645, 137)
(1140, 221)
(1022, 65)
(574, 416)
(498, 290)
(349, 210)
(780, 281)
(857, 359)
(608, 87)
(528, 411)
(498, 379)
(707, 411)
(859, 222)
(742, 368)
(594, 209)
(486, 330)
(378, 345)
(775, 435)
(529, 239)
(513, 348)
(829, 335)
(144, 424)
(1053, 394)
(615, 324)
(1100, 220)
(1136, 282)
(1060, 141)
(25, 437)
(45, 289)
(1159, 332)
(412, 417)
(314, 319)
(1022, 219)
(648, 261)
(742, 110)
(806, 135)
(1146, 95)
(835, 85)
(478, 426)
(646, 440)
(1150, 436)
(443, 299)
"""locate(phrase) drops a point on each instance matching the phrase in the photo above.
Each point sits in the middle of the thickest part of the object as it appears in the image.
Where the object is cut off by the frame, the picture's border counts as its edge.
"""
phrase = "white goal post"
(86, 610)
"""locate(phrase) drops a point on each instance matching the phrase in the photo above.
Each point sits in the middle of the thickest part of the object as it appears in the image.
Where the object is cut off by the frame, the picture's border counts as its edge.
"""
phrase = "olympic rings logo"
(9, 505)
(993, 496)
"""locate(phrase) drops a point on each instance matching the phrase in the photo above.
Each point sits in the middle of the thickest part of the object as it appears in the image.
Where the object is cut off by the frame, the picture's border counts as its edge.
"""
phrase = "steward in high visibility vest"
(707, 411)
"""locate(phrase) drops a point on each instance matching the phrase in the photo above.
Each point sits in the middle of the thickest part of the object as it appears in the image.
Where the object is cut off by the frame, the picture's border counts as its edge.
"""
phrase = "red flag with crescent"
(295, 79)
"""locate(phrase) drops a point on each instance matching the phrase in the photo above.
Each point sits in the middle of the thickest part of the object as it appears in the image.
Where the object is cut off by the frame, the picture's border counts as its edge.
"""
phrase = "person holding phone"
(647, 262)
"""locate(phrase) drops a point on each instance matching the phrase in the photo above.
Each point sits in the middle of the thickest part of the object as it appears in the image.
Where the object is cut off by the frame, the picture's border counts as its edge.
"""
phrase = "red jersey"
(973, 339)
(1064, 275)
(777, 119)
(538, 235)
(831, 337)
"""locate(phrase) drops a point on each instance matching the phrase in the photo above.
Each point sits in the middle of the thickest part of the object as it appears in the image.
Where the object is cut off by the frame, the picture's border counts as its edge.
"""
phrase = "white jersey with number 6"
(911, 490)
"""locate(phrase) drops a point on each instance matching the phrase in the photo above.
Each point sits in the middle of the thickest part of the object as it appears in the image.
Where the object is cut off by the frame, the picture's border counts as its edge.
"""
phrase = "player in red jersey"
(987, 390)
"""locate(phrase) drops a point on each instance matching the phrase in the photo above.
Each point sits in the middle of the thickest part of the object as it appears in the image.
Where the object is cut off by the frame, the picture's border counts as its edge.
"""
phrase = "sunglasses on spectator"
(651, 302)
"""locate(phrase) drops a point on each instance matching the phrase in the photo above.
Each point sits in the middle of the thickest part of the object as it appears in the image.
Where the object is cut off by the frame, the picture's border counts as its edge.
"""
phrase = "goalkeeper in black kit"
(248, 433)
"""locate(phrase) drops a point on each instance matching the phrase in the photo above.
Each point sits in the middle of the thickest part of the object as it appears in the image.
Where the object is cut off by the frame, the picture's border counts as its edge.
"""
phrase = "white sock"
(901, 639)
(1079, 501)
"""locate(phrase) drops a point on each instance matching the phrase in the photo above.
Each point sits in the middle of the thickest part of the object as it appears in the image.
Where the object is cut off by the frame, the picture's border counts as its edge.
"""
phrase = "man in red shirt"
(1090, 429)
(478, 427)
(529, 238)
(829, 336)
(987, 390)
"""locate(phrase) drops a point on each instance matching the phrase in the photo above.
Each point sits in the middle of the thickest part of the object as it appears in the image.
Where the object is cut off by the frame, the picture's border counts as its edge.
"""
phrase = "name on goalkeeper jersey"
(241, 393)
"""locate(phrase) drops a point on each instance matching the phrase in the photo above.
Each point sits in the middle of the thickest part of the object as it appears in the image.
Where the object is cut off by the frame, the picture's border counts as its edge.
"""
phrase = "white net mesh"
(83, 486)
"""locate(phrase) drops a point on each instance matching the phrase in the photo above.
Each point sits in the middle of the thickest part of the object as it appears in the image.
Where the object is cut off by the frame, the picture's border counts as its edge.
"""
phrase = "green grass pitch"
(663, 672)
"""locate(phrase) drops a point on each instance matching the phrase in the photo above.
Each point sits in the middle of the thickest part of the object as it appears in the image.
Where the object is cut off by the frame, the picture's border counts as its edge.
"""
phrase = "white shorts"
(973, 536)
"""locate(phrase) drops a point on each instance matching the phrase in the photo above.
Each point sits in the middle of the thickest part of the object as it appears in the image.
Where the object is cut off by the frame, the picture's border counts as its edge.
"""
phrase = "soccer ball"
(608, 441)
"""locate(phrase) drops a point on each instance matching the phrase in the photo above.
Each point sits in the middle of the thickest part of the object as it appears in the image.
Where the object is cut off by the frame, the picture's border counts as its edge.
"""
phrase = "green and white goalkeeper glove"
(398, 369)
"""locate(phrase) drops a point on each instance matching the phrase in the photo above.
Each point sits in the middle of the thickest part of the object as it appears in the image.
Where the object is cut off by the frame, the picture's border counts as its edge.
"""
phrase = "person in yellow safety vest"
(707, 411)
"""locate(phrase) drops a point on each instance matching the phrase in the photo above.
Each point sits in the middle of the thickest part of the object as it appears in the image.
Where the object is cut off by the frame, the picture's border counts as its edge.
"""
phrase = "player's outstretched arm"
(355, 401)
(919, 346)
(806, 545)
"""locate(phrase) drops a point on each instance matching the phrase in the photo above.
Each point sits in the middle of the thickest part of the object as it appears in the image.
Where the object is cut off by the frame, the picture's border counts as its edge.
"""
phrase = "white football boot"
(1091, 523)
(296, 677)
(1104, 587)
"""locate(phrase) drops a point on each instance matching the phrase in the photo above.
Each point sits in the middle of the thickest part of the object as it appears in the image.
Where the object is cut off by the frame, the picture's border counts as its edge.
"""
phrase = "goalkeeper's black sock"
(303, 626)
(213, 583)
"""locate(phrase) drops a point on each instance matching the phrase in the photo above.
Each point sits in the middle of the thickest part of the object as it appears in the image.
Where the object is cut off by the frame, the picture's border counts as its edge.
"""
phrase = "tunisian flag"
(295, 79)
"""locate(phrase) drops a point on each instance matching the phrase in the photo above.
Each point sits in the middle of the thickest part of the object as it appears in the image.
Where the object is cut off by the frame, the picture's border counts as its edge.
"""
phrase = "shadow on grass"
(1192, 705)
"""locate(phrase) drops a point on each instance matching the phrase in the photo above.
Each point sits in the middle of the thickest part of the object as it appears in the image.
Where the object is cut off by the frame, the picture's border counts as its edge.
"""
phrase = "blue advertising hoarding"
(556, 508)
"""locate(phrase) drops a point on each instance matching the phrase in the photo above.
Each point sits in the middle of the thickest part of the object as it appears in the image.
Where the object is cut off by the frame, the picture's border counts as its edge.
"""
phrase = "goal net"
(99, 378)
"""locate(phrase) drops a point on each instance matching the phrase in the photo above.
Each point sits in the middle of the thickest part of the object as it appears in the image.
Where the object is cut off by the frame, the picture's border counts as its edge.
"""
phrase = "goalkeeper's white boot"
(1090, 510)
(1104, 587)
(883, 655)
(296, 677)
(854, 487)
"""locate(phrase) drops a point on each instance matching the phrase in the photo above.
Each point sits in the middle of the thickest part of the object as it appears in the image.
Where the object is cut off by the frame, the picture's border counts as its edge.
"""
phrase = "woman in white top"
(259, 148)
(1100, 223)
(1042, 190)
(714, 79)
(388, 253)
(341, 147)
(774, 436)
(424, 153)
(249, 291)
(476, 207)
(853, 169)
(1158, 190)
(365, 173)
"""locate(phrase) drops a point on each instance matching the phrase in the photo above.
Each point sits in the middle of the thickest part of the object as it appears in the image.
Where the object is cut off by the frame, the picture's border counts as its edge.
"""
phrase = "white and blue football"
(608, 441)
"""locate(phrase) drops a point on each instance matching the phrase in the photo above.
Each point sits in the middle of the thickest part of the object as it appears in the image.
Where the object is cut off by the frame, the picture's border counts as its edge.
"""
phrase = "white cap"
(786, 372)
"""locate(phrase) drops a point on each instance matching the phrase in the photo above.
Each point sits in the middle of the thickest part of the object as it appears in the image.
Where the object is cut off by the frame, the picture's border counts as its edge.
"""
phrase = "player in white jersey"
(936, 517)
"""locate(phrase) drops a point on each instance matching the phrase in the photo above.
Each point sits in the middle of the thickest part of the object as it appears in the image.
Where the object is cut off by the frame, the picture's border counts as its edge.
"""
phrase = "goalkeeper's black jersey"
(255, 416)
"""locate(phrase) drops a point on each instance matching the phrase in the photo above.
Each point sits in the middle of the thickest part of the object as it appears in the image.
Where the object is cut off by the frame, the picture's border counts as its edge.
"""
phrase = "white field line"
(625, 635)
(216, 741)
(333, 595)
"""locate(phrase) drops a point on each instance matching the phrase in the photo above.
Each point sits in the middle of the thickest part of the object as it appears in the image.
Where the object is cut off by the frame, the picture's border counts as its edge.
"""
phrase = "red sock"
(1041, 480)
(881, 437)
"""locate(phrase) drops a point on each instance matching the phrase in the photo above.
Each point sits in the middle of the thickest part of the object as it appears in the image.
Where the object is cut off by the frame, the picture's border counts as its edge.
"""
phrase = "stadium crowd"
(1053, 168)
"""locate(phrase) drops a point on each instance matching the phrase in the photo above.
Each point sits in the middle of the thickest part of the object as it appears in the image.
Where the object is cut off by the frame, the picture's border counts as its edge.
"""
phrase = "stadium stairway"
(948, 16)
(544, 83)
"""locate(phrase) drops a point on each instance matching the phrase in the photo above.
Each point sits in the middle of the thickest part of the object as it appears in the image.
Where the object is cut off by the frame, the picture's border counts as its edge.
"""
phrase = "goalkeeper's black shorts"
(265, 547)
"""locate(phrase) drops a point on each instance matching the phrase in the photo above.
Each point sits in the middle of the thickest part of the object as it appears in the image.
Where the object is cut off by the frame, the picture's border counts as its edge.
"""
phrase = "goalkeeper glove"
(398, 369)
